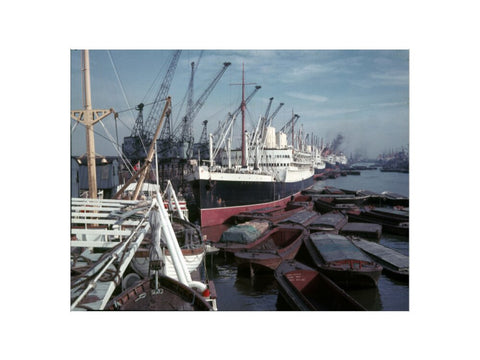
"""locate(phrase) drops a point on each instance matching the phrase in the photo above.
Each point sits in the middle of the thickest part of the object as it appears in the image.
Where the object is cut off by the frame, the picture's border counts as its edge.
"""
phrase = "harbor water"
(259, 293)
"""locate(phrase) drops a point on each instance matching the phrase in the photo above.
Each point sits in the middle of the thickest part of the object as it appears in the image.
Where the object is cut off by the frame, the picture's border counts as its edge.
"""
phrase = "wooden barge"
(341, 261)
(394, 264)
(280, 243)
(243, 236)
(359, 197)
(275, 214)
(327, 204)
(392, 221)
(303, 218)
(395, 199)
(304, 288)
(330, 222)
(368, 230)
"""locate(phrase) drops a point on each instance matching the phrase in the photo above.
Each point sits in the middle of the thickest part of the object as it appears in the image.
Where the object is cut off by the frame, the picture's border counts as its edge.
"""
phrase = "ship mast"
(243, 117)
(243, 106)
(89, 117)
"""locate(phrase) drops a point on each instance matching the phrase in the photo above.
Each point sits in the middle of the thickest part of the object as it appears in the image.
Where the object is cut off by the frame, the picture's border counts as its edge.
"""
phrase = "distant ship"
(319, 164)
(265, 172)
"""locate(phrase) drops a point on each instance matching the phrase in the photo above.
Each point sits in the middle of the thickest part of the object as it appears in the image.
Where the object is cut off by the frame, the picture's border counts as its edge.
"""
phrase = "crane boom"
(224, 125)
(193, 111)
(261, 128)
(156, 110)
(134, 146)
(289, 126)
(269, 122)
(190, 89)
(186, 137)
(268, 108)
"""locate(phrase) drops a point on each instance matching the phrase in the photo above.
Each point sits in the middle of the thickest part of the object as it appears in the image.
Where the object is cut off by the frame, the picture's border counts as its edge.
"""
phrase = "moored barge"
(341, 261)
(304, 288)
(280, 243)
(395, 264)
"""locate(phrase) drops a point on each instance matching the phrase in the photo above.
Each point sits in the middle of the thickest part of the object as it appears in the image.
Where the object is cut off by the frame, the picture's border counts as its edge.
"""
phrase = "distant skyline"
(361, 94)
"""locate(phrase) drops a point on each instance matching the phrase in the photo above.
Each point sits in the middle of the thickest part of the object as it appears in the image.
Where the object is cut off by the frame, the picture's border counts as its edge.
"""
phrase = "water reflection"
(395, 294)
(258, 285)
(369, 298)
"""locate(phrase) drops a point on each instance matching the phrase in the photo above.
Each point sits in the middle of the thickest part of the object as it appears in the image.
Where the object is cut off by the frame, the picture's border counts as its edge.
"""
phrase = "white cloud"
(388, 104)
(392, 78)
(309, 97)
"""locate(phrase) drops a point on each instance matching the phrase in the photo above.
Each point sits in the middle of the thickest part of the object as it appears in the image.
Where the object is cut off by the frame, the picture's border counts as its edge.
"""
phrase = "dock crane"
(259, 132)
(166, 143)
(263, 123)
(185, 141)
(289, 127)
(270, 119)
(268, 108)
(201, 148)
(190, 89)
(135, 145)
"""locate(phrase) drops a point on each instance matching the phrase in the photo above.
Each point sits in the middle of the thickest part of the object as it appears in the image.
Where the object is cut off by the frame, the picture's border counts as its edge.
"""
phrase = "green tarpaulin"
(245, 233)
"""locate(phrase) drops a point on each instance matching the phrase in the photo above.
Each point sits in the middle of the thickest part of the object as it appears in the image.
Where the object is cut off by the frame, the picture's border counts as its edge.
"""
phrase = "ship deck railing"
(117, 226)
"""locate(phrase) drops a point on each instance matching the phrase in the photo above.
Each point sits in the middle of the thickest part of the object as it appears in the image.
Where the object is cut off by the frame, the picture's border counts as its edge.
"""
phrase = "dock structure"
(390, 259)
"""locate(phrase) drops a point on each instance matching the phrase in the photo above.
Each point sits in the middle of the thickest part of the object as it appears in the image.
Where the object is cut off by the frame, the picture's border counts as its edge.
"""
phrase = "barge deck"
(393, 262)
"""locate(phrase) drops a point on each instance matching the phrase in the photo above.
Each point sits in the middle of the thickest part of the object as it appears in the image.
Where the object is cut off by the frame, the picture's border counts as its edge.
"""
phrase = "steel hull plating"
(218, 200)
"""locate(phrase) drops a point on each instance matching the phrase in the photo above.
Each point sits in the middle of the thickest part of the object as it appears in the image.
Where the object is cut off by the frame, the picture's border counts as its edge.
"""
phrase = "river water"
(239, 293)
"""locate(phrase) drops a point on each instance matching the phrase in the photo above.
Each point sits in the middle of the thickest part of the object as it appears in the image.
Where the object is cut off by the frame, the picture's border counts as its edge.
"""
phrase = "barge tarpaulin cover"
(303, 217)
(245, 233)
(336, 247)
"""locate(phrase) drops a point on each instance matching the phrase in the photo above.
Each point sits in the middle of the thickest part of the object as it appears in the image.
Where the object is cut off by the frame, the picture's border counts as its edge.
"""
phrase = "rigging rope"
(155, 80)
(178, 123)
(125, 160)
(123, 93)
(74, 127)
(119, 81)
(117, 252)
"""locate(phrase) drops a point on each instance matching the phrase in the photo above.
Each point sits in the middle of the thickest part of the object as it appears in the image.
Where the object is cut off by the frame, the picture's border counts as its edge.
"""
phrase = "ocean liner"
(265, 172)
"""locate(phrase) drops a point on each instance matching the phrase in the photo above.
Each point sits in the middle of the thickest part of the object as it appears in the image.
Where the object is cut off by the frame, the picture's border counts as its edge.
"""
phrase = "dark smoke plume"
(337, 142)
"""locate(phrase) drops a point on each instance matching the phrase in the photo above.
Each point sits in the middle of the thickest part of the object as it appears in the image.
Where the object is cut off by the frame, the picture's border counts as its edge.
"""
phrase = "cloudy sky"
(361, 94)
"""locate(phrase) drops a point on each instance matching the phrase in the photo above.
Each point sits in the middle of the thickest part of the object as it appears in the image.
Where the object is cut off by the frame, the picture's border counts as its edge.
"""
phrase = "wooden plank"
(97, 203)
(112, 201)
(93, 243)
(106, 222)
(94, 208)
(88, 215)
(105, 232)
